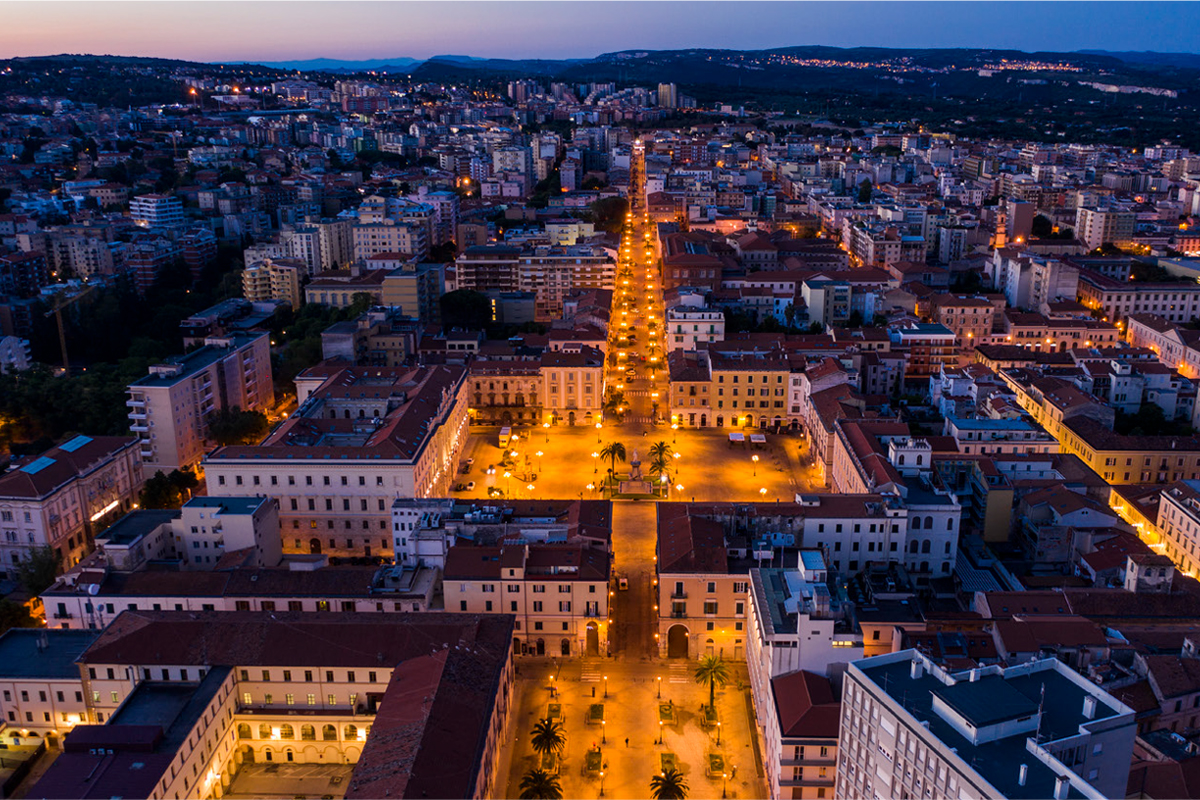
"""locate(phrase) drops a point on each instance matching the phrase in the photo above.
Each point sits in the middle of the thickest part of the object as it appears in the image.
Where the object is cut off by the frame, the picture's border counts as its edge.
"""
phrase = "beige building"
(415, 292)
(390, 236)
(362, 437)
(558, 386)
(557, 592)
(273, 279)
(169, 409)
(60, 498)
(41, 696)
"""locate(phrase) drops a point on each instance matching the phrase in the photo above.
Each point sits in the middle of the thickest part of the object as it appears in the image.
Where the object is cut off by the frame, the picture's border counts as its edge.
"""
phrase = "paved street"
(630, 711)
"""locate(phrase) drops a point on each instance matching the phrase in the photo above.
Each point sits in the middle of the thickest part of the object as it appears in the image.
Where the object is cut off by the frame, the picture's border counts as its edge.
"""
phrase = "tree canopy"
(235, 426)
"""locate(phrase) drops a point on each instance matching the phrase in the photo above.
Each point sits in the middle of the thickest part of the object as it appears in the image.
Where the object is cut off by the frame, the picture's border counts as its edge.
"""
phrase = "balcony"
(678, 615)
(678, 594)
(139, 428)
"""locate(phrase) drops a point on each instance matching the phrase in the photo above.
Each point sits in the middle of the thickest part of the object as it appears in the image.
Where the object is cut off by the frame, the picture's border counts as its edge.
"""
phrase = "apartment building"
(361, 437)
(968, 318)
(391, 236)
(555, 386)
(688, 395)
(998, 436)
(181, 700)
(551, 273)
(798, 721)
(876, 244)
(689, 321)
(156, 211)
(39, 684)
(930, 347)
(273, 280)
(1098, 226)
(341, 289)
(414, 291)
(1038, 730)
(558, 593)
(1175, 346)
(61, 497)
(169, 408)
(1116, 299)
(749, 388)
(1177, 526)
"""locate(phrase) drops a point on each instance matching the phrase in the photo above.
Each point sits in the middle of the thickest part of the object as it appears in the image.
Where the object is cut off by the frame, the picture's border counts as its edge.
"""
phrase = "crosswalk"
(590, 672)
(679, 673)
(643, 420)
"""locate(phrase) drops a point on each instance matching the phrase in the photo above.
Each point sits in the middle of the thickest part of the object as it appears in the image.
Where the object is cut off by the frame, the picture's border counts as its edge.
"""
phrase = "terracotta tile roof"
(39, 476)
(689, 543)
(805, 705)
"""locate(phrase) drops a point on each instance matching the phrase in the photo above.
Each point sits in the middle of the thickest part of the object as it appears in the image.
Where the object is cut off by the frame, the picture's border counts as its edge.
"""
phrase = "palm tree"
(613, 452)
(660, 450)
(670, 785)
(712, 670)
(658, 466)
(548, 737)
(537, 784)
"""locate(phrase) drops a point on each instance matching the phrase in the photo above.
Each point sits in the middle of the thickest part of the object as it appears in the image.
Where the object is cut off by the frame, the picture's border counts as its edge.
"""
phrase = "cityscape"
(814, 401)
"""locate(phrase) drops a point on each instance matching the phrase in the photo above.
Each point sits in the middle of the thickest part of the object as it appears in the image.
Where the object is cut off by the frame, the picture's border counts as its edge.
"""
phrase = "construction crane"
(56, 311)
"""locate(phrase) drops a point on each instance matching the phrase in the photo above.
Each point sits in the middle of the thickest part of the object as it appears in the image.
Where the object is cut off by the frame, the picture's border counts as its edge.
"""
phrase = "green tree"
(608, 214)
(164, 490)
(548, 736)
(712, 670)
(613, 452)
(36, 572)
(865, 190)
(537, 784)
(669, 785)
(467, 309)
(789, 315)
(234, 426)
(661, 450)
(15, 615)
(816, 327)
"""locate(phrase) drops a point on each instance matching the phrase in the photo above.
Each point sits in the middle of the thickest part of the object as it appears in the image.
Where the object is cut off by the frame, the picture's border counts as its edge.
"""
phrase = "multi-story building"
(690, 321)
(273, 279)
(998, 436)
(61, 497)
(361, 437)
(156, 211)
(968, 318)
(558, 593)
(341, 289)
(414, 291)
(169, 408)
(550, 273)
(391, 236)
(930, 347)
(39, 683)
(1037, 730)
(1116, 299)
(181, 700)
(749, 388)
(1177, 528)
(555, 386)
(1098, 226)
(798, 721)
(689, 397)
(148, 257)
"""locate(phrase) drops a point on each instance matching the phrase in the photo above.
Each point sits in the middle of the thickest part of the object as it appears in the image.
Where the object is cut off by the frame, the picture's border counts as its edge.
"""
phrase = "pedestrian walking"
(593, 691)
(627, 741)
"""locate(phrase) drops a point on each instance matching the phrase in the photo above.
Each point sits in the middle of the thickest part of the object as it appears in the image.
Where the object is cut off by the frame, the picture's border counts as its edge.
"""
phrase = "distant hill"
(399, 64)
(1151, 58)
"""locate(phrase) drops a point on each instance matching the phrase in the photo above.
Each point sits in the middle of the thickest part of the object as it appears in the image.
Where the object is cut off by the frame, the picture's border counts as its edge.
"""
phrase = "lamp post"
(674, 432)
(724, 780)
(546, 428)
(755, 460)
(660, 687)
(602, 783)
(603, 728)
(552, 686)
(718, 733)
(539, 455)
(599, 425)
(606, 686)
(508, 483)
(763, 492)
(660, 731)
(530, 488)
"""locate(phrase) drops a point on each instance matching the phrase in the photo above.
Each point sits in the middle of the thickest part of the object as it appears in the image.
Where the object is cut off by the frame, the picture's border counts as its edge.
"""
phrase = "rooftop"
(22, 654)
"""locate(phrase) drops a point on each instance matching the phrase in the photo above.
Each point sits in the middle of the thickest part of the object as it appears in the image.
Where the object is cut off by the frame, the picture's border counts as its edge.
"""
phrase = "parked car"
(471, 486)
(622, 583)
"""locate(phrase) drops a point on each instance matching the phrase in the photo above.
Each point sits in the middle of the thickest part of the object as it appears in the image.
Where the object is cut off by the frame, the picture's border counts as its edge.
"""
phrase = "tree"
(547, 736)
(712, 670)
(816, 327)
(613, 452)
(15, 615)
(609, 213)
(234, 426)
(855, 320)
(36, 573)
(865, 189)
(168, 491)
(789, 314)
(537, 784)
(659, 466)
(466, 309)
(660, 450)
(669, 785)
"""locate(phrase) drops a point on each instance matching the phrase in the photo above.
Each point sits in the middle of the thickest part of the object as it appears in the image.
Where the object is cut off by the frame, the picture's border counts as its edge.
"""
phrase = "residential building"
(39, 683)
(60, 498)
(169, 408)
(361, 437)
(1036, 730)
(689, 321)
(1116, 299)
(273, 279)
(986, 436)
(156, 211)
(555, 386)
(798, 720)
(1098, 226)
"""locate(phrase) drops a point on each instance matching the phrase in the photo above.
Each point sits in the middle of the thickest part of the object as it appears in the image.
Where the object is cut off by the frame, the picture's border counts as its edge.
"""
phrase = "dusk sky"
(267, 31)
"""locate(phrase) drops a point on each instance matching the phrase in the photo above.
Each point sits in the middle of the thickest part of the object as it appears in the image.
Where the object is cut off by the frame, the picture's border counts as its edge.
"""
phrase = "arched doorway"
(571, 418)
(593, 639)
(506, 418)
(517, 645)
(566, 647)
(541, 647)
(704, 420)
(314, 545)
(677, 642)
(709, 647)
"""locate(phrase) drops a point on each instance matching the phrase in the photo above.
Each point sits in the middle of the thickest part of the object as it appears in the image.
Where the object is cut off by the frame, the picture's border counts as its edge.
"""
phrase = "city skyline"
(543, 30)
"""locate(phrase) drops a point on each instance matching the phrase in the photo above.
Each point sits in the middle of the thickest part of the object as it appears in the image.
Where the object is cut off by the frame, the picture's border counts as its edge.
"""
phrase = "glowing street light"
(755, 460)
(763, 492)
(660, 687)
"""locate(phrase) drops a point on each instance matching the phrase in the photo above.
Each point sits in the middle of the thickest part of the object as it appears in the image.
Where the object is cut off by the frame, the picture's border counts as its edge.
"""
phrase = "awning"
(758, 438)
(737, 436)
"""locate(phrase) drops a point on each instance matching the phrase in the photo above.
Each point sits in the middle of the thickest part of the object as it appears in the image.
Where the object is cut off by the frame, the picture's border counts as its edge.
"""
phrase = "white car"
(622, 583)
(471, 486)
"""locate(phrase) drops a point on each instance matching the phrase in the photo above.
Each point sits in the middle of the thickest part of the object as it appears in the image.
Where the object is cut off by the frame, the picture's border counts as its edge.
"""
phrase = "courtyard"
(285, 781)
(620, 734)
(558, 462)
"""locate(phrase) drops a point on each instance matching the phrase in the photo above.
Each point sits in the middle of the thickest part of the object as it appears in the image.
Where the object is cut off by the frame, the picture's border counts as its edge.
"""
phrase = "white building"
(156, 211)
(1037, 730)
(169, 408)
(42, 698)
(1097, 226)
(209, 527)
(58, 499)
(690, 321)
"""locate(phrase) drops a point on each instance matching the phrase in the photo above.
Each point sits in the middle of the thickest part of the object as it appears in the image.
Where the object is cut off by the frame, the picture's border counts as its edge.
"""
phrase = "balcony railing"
(678, 595)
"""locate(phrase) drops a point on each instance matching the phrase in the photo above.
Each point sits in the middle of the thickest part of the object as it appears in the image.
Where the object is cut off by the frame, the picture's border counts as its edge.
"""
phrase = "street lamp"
(539, 455)
(763, 492)
(508, 483)
(674, 432)
(724, 779)
(606, 686)
(552, 686)
(660, 731)
(755, 460)
(660, 687)
(718, 733)
(602, 783)
(598, 427)
(603, 728)
(530, 488)
(546, 426)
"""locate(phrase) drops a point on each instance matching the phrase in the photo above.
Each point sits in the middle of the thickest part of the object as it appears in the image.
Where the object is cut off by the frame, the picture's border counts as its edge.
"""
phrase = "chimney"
(916, 670)
(1023, 774)
(1062, 785)
(1089, 707)
(974, 675)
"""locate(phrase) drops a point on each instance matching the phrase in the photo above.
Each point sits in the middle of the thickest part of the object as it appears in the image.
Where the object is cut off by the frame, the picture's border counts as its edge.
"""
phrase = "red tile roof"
(805, 705)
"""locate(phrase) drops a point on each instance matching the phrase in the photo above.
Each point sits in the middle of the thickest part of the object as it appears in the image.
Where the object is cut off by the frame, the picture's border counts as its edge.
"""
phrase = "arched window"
(329, 733)
(925, 545)
(244, 731)
(350, 732)
(287, 731)
(912, 546)
(902, 459)
(916, 523)
(929, 523)
(950, 523)
(920, 460)
(308, 733)
(264, 731)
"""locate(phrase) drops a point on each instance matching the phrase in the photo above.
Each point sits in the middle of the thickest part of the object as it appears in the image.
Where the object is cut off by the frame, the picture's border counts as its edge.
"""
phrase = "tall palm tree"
(537, 784)
(712, 670)
(613, 453)
(658, 466)
(548, 737)
(660, 450)
(670, 785)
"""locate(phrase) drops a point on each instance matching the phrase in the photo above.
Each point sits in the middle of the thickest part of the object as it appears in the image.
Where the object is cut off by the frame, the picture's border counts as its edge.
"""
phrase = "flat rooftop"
(989, 700)
(193, 362)
(135, 525)
(22, 656)
(229, 505)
